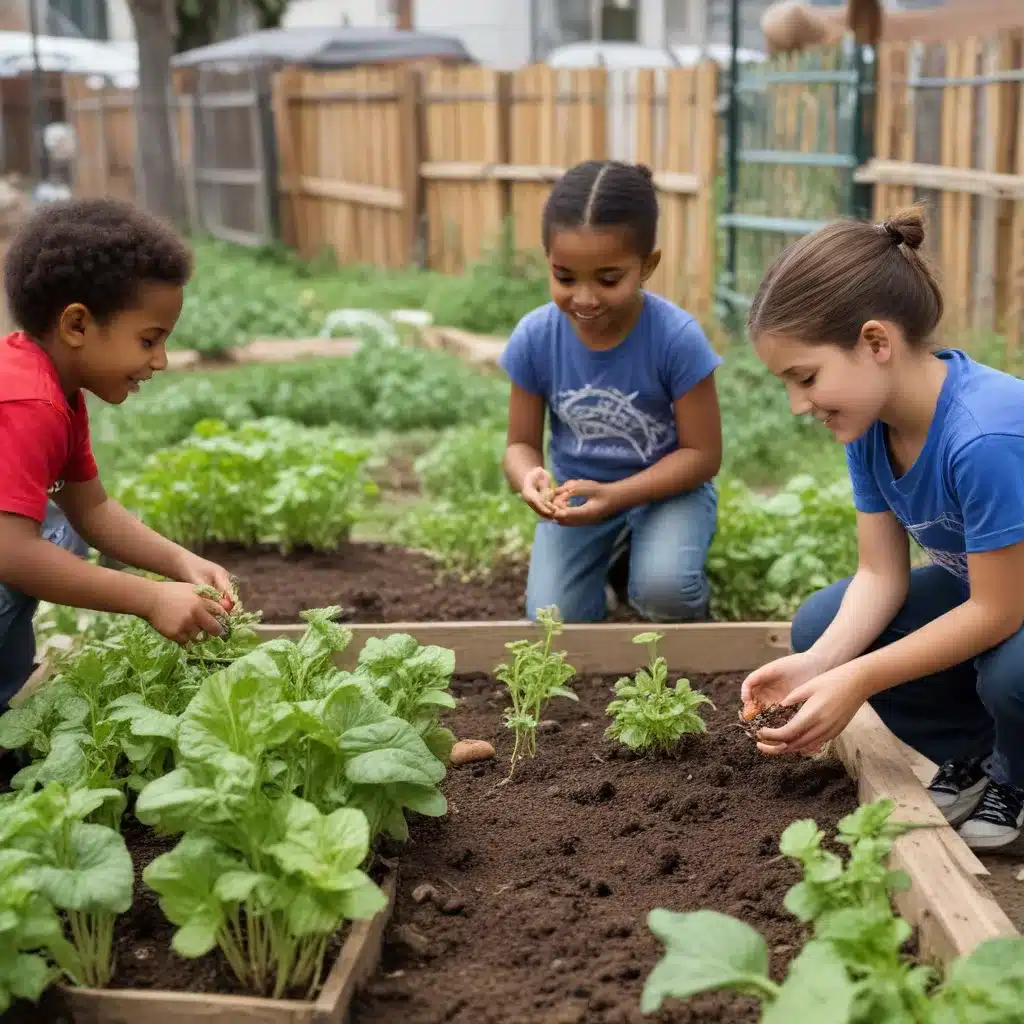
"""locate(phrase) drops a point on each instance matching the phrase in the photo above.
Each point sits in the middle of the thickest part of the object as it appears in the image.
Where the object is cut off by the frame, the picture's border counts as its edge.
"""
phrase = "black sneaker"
(958, 787)
(998, 820)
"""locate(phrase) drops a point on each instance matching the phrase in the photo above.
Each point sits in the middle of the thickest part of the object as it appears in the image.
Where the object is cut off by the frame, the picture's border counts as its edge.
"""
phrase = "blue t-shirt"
(610, 411)
(965, 491)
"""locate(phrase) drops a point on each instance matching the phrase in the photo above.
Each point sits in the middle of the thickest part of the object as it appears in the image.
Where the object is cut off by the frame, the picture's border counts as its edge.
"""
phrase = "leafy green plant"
(471, 536)
(286, 768)
(414, 682)
(535, 675)
(109, 717)
(238, 294)
(269, 481)
(81, 868)
(772, 552)
(272, 906)
(853, 970)
(466, 461)
(649, 714)
(32, 941)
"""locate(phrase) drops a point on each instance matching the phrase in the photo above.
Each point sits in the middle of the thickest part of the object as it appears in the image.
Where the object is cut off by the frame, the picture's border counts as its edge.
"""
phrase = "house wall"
(119, 21)
(302, 13)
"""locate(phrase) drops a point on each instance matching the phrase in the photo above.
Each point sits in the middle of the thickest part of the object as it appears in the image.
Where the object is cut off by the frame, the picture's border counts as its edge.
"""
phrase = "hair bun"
(906, 227)
(645, 171)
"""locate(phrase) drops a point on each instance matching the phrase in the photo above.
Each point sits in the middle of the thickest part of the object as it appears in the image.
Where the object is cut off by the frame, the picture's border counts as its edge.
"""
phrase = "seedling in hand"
(535, 676)
(647, 713)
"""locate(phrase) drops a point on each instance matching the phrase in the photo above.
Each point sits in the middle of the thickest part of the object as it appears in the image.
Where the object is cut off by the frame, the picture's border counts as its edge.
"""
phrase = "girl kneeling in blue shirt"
(935, 448)
(626, 379)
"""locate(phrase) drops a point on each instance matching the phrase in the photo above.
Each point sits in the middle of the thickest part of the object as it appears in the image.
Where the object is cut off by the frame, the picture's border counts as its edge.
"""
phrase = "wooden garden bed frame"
(947, 902)
(356, 962)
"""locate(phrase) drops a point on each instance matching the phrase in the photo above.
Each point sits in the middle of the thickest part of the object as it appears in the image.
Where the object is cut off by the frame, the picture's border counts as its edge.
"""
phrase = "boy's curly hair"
(98, 252)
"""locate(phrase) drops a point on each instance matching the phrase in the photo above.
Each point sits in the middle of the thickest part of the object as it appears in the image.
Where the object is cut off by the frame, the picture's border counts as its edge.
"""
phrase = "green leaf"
(27, 976)
(817, 990)
(389, 751)
(198, 936)
(705, 951)
(325, 849)
(99, 876)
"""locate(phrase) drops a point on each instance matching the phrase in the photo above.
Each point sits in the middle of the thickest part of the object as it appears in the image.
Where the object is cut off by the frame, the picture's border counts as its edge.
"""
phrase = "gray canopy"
(323, 47)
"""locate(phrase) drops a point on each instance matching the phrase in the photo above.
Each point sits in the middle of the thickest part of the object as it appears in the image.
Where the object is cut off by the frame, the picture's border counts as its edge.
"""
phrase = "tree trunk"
(158, 183)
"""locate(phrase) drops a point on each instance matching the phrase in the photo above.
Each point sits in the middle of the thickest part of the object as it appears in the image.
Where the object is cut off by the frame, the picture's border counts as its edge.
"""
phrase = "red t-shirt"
(44, 437)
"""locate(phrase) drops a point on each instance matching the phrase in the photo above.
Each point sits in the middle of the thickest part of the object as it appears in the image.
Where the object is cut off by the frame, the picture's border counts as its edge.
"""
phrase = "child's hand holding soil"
(766, 688)
(538, 491)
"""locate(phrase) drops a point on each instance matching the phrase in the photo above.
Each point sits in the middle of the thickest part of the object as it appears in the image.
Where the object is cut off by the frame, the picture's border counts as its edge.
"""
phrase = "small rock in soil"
(549, 726)
(406, 935)
(468, 751)
(567, 1013)
(453, 906)
(553, 791)
(424, 893)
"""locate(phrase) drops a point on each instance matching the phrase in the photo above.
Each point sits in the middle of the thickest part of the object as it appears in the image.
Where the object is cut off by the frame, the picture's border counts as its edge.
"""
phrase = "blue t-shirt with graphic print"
(611, 412)
(965, 491)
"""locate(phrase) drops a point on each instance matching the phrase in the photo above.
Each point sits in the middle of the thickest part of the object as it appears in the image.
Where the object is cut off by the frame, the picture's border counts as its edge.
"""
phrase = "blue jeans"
(974, 709)
(17, 639)
(668, 542)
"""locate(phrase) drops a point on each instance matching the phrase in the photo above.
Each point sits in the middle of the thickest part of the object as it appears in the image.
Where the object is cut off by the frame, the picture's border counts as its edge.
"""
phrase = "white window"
(560, 22)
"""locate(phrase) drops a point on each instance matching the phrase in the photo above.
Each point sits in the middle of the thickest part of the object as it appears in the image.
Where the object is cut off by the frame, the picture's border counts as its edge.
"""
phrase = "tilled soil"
(541, 887)
(372, 583)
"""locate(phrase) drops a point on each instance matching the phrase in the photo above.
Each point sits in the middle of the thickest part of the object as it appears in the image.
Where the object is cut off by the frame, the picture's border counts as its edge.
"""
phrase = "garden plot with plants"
(543, 822)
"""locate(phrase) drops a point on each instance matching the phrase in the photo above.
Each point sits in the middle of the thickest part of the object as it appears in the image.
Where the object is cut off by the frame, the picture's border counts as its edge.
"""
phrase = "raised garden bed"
(542, 886)
(164, 1000)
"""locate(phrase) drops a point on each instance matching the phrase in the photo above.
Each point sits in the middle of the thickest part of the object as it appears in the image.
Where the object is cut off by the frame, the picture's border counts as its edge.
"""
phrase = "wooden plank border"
(704, 648)
(357, 960)
(947, 902)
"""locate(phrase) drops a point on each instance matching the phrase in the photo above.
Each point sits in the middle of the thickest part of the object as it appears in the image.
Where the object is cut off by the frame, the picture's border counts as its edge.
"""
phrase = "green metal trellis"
(773, 191)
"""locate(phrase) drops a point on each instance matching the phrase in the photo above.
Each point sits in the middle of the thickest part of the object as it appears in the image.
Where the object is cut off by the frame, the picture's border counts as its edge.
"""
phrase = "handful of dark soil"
(755, 716)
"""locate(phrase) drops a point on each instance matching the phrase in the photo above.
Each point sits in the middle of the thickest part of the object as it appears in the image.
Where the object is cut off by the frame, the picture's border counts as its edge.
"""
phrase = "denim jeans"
(668, 542)
(974, 709)
(17, 639)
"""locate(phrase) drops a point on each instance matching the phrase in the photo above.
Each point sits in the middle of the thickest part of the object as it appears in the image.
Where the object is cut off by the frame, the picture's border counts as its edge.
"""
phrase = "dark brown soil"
(544, 885)
(142, 937)
(372, 582)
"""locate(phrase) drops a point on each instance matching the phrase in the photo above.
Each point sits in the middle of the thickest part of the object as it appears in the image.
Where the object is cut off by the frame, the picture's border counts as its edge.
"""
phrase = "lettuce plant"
(75, 866)
(647, 713)
(414, 682)
(286, 768)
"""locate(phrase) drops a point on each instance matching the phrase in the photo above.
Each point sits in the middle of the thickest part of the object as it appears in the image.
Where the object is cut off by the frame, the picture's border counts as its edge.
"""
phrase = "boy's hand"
(180, 614)
(597, 504)
(538, 492)
(200, 572)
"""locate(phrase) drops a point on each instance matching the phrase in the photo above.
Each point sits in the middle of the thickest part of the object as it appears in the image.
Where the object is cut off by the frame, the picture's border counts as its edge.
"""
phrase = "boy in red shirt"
(96, 286)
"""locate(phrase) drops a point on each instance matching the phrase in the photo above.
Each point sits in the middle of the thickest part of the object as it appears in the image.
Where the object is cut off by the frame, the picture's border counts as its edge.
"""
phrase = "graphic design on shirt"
(608, 414)
(952, 561)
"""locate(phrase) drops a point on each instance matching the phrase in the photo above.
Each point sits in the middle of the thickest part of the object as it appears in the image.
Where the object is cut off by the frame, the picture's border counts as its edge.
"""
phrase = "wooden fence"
(950, 130)
(446, 158)
(395, 166)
